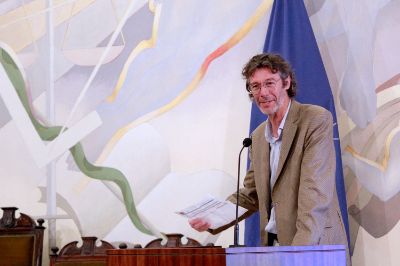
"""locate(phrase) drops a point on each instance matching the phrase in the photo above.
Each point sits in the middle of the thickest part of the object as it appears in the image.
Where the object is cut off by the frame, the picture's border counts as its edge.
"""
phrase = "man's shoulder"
(312, 111)
(311, 108)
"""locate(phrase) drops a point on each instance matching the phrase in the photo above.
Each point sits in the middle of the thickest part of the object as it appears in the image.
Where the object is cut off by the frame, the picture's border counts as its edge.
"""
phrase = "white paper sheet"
(215, 211)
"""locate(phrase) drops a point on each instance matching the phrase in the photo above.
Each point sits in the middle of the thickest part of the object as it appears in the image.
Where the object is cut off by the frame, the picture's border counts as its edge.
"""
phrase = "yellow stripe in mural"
(152, 6)
(385, 161)
(146, 44)
(239, 35)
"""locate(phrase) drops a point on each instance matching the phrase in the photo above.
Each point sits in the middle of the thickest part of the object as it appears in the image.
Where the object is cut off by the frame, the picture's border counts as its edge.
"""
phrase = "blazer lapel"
(288, 133)
(264, 168)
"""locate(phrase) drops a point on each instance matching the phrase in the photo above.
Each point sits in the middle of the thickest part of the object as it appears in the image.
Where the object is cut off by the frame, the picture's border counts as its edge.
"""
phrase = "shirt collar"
(268, 127)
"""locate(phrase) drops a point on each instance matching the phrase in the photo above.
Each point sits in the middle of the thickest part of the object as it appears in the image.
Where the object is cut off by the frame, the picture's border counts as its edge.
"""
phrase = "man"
(291, 180)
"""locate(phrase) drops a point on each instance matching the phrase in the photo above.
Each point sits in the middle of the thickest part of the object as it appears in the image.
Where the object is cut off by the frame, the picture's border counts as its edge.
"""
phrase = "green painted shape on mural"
(50, 133)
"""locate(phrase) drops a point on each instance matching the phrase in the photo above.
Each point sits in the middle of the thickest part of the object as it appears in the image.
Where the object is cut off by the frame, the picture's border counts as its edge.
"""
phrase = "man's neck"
(277, 117)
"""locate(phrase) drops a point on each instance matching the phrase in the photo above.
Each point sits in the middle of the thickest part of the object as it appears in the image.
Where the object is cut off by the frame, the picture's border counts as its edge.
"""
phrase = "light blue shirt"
(275, 151)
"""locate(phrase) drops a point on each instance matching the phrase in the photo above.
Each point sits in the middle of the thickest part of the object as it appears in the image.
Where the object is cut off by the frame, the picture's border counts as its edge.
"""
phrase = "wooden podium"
(202, 256)
(214, 256)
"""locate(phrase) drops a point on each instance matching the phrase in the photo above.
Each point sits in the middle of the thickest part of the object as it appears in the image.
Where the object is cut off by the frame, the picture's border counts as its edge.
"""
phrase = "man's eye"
(269, 84)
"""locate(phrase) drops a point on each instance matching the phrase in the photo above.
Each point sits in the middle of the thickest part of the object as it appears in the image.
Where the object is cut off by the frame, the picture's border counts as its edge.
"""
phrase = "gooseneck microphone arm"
(246, 143)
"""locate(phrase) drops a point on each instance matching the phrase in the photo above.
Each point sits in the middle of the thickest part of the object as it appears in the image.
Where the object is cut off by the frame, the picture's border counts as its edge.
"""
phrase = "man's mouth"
(267, 101)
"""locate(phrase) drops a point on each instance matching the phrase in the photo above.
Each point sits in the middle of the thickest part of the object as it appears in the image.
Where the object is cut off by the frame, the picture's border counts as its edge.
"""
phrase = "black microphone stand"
(246, 143)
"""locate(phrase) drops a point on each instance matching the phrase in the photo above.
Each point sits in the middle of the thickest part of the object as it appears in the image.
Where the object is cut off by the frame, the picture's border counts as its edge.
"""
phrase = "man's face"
(269, 91)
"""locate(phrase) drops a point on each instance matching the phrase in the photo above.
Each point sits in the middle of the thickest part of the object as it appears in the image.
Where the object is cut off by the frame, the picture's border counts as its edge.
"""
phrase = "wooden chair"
(21, 240)
(174, 241)
(88, 254)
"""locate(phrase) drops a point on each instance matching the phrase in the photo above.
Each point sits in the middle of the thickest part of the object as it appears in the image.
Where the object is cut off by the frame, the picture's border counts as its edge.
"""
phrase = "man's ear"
(247, 86)
(287, 82)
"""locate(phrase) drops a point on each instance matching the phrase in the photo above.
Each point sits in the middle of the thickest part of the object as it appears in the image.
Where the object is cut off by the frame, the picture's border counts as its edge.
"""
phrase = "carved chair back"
(21, 239)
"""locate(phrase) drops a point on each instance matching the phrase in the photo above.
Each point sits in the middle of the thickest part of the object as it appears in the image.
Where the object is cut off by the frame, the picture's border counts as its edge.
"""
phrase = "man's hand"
(199, 224)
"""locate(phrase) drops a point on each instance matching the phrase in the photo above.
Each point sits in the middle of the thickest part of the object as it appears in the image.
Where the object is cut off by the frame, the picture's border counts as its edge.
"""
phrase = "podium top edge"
(322, 248)
(165, 251)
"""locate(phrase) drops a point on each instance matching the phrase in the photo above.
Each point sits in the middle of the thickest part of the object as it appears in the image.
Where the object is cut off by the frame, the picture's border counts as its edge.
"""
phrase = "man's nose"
(264, 90)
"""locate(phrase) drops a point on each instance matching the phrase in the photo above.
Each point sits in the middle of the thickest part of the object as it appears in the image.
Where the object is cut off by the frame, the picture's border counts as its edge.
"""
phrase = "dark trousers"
(271, 239)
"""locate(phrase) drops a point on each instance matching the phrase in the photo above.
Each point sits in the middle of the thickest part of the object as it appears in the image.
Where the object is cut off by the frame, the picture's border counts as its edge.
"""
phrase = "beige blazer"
(304, 195)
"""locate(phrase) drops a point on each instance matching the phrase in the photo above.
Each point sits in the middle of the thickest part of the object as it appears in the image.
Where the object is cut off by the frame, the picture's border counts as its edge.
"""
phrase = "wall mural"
(149, 97)
(136, 83)
(356, 40)
(13, 73)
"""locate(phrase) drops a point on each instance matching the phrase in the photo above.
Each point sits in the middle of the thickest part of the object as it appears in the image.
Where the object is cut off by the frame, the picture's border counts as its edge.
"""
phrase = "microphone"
(246, 143)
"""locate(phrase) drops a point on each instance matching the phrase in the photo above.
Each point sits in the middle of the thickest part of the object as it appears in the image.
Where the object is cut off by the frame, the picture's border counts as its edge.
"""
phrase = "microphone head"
(247, 142)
